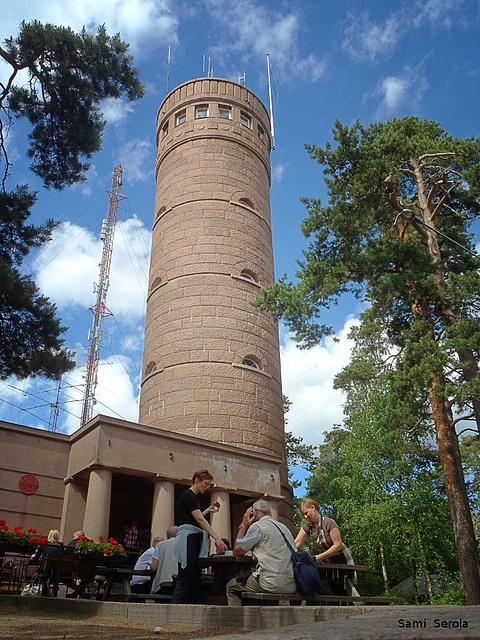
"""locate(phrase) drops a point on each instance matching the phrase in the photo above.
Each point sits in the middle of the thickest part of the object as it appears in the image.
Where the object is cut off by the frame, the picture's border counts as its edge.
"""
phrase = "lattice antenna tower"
(100, 309)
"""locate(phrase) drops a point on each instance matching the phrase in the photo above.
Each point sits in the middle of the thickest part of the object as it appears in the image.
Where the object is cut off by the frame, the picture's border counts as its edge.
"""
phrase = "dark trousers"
(336, 584)
(141, 587)
(188, 585)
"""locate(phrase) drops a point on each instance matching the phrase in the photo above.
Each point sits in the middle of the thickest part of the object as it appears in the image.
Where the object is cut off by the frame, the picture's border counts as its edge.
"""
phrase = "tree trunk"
(449, 455)
(384, 569)
(414, 581)
(428, 581)
(449, 316)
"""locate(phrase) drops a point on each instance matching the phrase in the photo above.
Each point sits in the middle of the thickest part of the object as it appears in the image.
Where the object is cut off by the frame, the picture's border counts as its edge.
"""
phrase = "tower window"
(180, 117)
(261, 132)
(249, 275)
(201, 111)
(151, 366)
(251, 361)
(155, 283)
(165, 129)
(247, 202)
(245, 120)
(224, 112)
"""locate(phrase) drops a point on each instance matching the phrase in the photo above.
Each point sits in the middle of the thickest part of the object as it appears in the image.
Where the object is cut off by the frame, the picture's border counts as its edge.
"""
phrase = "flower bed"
(16, 539)
(110, 548)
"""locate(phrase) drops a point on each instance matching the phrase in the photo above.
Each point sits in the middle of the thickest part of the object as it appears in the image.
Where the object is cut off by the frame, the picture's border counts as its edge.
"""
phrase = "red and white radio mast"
(100, 309)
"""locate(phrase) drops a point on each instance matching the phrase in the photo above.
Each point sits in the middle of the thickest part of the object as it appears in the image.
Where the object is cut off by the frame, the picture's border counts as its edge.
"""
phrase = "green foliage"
(69, 75)
(30, 333)
(452, 595)
(470, 452)
(397, 233)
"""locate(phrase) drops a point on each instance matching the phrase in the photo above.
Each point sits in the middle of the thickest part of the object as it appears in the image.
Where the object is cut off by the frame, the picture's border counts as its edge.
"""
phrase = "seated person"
(142, 584)
(71, 546)
(163, 564)
(46, 556)
(261, 534)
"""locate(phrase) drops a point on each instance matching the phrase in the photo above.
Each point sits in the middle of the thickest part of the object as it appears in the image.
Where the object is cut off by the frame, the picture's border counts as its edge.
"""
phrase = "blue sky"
(367, 59)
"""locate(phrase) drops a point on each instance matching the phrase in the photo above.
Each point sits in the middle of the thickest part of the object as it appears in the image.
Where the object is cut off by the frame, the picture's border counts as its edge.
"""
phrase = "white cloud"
(393, 90)
(116, 394)
(69, 265)
(251, 29)
(138, 158)
(144, 24)
(277, 173)
(402, 92)
(367, 41)
(439, 14)
(307, 380)
(115, 110)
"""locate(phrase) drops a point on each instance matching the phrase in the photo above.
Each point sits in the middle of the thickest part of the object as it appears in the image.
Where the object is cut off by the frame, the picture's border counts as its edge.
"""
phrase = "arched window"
(247, 202)
(160, 211)
(249, 275)
(155, 283)
(151, 366)
(252, 361)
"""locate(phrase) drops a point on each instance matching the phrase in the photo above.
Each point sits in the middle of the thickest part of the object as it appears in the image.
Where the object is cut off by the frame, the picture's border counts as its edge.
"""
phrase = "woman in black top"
(192, 539)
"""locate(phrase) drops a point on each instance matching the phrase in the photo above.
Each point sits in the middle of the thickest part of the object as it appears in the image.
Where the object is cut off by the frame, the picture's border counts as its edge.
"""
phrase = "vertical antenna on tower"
(272, 128)
(168, 70)
(100, 309)
(241, 79)
(206, 66)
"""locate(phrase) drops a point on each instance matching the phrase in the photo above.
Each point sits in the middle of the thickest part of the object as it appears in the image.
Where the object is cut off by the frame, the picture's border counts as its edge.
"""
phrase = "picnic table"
(223, 568)
(121, 575)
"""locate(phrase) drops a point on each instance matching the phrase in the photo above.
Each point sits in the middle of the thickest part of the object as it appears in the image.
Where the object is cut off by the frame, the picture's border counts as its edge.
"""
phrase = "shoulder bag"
(305, 569)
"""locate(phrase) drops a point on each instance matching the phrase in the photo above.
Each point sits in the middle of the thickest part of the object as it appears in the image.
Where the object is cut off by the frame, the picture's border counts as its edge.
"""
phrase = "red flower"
(32, 540)
(4, 527)
(106, 550)
(121, 548)
(100, 539)
(2, 522)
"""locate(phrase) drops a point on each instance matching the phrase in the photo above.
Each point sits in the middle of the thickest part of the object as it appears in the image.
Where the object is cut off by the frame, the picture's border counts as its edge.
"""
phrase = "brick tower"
(211, 365)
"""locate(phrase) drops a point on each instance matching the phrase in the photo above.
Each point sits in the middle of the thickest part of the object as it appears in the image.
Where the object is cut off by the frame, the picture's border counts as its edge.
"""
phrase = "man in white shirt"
(164, 564)
(259, 533)
(142, 584)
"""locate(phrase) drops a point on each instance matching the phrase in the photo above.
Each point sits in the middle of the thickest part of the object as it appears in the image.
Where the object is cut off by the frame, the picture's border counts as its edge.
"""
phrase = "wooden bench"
(274, 599)
(158, 597)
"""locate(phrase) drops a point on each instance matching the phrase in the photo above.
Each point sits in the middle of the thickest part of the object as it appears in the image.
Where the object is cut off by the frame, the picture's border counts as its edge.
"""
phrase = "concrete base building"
(211, 392)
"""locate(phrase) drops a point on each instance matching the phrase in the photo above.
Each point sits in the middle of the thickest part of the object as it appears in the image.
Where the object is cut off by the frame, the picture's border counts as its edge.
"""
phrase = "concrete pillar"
(221, 521)
(73, 510)
(163, 511)
(97, 510)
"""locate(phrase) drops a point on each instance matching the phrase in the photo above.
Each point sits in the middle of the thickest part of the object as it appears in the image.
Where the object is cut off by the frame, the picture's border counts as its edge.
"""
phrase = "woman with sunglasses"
(327, 537)
(191, 541)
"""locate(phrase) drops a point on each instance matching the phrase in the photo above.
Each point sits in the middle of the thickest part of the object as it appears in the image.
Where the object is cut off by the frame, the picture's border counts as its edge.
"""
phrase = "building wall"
(38, 453)
(211, 253)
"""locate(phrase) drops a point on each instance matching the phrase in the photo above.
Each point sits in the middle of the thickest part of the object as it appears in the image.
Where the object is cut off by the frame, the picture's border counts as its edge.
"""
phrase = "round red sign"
(28, 484)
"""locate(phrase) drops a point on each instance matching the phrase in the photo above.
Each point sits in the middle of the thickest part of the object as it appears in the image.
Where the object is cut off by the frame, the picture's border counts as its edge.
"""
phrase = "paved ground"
(376, 623)
(14, 626)
(382, 623)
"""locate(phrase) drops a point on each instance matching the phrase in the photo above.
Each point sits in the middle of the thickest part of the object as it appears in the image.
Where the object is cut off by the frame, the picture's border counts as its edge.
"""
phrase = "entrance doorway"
(132, 500)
